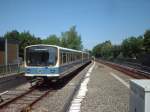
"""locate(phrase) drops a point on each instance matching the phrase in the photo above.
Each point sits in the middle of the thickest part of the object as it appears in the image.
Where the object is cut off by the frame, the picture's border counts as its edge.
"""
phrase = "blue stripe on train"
(48, 70)
(42, 70)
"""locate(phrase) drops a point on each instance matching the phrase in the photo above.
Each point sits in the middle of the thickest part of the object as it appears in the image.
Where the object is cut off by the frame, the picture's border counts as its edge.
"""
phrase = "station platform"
(103, 89)
(108, 90)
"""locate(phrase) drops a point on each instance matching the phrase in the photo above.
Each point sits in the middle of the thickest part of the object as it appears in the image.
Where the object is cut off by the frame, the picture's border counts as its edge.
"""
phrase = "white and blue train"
(50, 61)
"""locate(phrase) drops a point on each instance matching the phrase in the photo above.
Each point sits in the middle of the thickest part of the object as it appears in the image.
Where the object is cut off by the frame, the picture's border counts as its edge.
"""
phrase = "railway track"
(23, 100)
(133, 72)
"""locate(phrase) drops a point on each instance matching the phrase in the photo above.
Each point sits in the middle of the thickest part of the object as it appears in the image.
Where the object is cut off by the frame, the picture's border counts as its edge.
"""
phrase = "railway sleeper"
(1, 99)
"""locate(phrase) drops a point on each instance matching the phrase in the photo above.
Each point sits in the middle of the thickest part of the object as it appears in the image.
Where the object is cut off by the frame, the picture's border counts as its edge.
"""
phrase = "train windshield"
(41, 56)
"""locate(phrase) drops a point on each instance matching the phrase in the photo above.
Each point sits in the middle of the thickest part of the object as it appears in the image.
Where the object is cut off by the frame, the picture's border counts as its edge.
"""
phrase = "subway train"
(51, 61)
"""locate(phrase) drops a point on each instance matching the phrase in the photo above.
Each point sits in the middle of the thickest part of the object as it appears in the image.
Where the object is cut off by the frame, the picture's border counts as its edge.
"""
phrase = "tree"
(146, 42)
(52, 39)
(14, 34)
(116, 50)
(96, 51)
(64, 42)
(71, 39)
(103, 50)
(132, 47)
(106, 49)
(25, 39)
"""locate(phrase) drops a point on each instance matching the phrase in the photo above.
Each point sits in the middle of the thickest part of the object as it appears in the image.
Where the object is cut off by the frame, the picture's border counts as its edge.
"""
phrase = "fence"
(11, 68)
(134, 63)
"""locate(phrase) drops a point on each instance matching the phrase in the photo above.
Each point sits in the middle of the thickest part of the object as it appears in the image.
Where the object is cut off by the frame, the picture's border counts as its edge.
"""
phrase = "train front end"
(41, 61)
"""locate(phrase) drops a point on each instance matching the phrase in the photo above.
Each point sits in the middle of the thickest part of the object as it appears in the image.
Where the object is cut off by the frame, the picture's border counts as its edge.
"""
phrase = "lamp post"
(6, 54)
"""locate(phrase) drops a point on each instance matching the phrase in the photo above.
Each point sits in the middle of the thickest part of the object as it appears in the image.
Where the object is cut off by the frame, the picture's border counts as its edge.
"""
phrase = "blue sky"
(95, 20)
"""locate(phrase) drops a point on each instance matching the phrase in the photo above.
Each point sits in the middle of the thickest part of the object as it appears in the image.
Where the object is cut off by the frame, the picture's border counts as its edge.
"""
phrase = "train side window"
(71, 57)
(74, 57)
(80, 56)
(61, 58)
(64, 58)
(52, 56)
(67, 58)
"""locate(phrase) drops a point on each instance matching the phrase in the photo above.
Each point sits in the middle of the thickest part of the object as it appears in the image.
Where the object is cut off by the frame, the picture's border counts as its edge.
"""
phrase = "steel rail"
(28, 108)
(22, 95)
(29, 105)
(15, 99)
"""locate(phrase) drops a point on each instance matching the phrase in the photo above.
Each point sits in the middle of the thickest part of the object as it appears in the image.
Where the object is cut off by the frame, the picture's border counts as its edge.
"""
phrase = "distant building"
(9, 51)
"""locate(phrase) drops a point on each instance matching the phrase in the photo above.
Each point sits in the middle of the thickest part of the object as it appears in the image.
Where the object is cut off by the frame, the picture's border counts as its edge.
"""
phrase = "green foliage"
(25, 39)
(12, 35)
(52, 40)
(116, 50)
(71, 39)
(97, 51)
(132, 47)
(147, 41)
(103, 50)
(106, 49)
(64, 42)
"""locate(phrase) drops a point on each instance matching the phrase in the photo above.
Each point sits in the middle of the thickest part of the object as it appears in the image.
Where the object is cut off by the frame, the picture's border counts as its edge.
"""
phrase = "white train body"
(50, 61)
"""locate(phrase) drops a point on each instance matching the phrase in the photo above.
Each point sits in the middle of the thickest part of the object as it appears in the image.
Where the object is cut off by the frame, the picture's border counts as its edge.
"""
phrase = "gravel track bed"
(14, 82)
(21, 103)
(12, 93)
(57, 102)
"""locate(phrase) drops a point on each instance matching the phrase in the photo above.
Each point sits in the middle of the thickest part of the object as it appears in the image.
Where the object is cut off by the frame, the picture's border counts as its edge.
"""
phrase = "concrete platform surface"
(108, 91)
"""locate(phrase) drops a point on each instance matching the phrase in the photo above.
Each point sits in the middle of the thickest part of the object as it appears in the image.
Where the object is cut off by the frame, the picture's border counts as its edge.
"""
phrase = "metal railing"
(11, 68)
(133, 63)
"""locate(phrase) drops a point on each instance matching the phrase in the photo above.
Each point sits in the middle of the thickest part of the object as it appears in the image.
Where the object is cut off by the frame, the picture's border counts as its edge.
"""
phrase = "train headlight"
(28, 70)
(39, 71)
(52, 70)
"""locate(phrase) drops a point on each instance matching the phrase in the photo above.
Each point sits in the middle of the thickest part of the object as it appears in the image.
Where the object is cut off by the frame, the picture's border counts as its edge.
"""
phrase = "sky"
(95, 20)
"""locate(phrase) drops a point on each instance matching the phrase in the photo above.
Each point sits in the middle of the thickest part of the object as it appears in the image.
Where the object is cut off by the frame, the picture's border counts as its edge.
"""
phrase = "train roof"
(67, 49)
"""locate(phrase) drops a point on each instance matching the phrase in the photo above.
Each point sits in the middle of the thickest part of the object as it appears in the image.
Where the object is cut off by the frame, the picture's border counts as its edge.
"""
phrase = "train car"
(52, 62)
